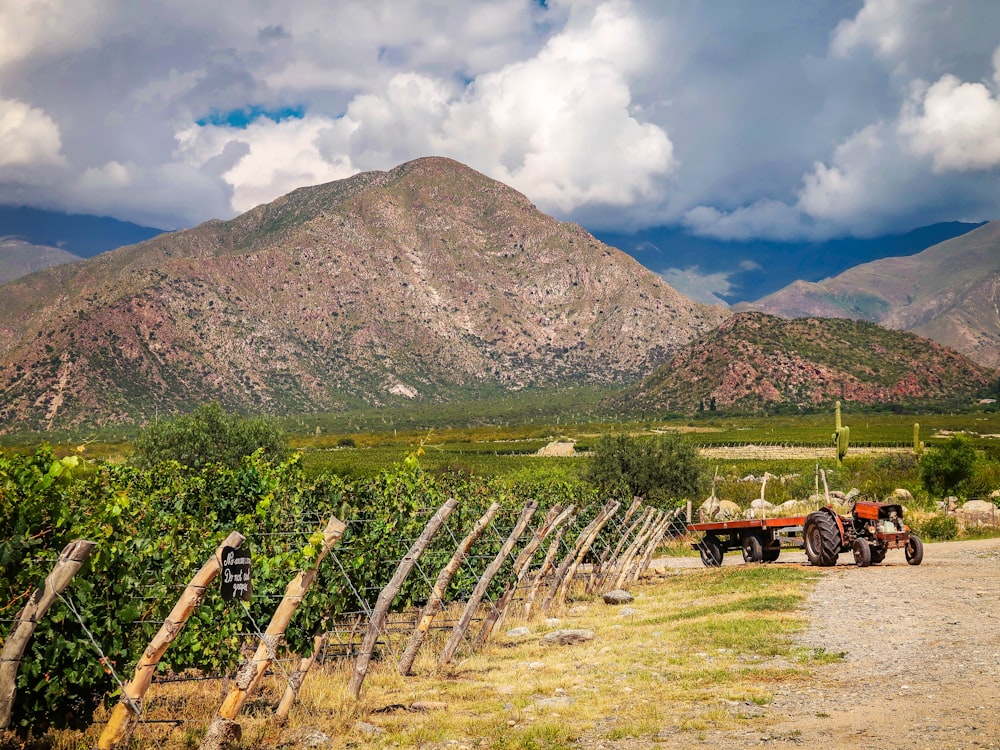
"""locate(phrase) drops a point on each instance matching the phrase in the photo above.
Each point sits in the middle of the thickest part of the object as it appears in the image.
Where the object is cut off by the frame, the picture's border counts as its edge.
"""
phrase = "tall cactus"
(918, 444)
(841, 438)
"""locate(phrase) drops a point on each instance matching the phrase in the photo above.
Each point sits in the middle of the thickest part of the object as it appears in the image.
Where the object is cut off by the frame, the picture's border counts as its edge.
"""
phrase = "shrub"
(663, 469)
(944, 469)
(209, 435)
(939, 527)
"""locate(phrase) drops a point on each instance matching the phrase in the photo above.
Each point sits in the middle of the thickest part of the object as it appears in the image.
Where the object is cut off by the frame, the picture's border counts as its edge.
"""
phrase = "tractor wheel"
(914, 550)
(822, 538)
(862, 553)
(772, 552)
(710, 549)
(753, 550)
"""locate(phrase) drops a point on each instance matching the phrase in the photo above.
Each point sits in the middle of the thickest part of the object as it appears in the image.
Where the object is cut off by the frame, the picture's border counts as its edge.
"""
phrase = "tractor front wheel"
(862, 553)
(822, 538)
(914, 550)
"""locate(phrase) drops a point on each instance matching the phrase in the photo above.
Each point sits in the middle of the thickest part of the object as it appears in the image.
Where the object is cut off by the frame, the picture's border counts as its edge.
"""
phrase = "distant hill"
(32, 239)
(949, 292)
(756, 268)
(423, 282)
(19, 258)
(755, 361)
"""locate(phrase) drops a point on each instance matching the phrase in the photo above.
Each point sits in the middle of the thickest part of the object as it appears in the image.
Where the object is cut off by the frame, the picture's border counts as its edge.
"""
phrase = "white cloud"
(763, 218)
(956, 124)
(28, 136)
(708, 288)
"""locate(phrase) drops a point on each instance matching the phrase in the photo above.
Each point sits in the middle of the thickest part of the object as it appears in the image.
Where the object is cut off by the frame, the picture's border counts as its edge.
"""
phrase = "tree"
(663, 469)
(208, 435)
(944, 469)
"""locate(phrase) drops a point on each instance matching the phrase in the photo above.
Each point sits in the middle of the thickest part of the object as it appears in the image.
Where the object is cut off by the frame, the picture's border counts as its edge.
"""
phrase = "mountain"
(421, 282)
(19, 258)
(949, 292)
(729, 272)
(754, 361)
(32, 239)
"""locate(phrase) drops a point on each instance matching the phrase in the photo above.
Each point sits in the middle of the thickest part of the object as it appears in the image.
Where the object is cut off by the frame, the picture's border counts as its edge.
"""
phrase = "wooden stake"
(613, 565)
(626, 560)
(603, 517)
(297, 678)
(458, 632)
(252, 671)
(73, 556)
(520, 569)
(385, 597)
(436, 600)
(122, 722)
(550, 556)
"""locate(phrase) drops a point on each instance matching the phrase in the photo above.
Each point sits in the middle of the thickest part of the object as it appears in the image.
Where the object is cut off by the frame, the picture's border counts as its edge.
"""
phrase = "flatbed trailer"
(760, 539)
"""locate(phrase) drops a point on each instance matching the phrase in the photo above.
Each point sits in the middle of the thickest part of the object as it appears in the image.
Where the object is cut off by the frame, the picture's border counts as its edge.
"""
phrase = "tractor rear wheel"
(710, 549)
(914, 550)
(753, 550)
(822, 538)
(862, 553)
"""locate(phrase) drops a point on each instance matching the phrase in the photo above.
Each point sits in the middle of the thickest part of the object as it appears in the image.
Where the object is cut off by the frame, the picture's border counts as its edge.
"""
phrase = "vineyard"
(333, 561)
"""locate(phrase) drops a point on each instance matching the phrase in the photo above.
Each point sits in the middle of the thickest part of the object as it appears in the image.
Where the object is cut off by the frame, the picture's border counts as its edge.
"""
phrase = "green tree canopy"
(208, 435)
(663, 468)
(944, 469)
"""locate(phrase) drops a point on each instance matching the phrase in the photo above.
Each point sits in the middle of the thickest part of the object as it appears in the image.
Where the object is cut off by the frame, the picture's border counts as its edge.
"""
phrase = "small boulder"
(900, 495)
(728, 510)
(978, 513)
(567, 637)
(518, 632)
(618, 596)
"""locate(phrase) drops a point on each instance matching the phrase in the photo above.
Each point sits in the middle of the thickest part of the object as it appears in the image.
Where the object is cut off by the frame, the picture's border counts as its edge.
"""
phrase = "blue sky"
(733, 119)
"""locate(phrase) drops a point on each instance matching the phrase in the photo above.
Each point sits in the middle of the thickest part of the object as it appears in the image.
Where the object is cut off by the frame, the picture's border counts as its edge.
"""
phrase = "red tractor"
(871, 530)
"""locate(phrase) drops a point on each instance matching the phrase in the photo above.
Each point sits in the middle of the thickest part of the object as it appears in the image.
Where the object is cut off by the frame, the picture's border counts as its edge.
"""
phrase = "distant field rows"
(776, 452)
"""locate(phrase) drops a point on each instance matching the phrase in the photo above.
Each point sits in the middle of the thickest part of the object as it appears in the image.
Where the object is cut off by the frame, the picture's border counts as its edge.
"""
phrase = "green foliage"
(208, 435)
(664, 468)
(944, 469)
(937, 528)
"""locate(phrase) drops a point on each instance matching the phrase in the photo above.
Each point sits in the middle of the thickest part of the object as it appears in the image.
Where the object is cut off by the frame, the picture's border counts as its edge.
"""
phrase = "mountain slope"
(755, 361)
(949, 292)
(420, 282)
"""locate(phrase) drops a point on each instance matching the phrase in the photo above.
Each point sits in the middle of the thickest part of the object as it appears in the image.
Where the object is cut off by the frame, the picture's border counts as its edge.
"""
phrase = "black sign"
(235, 574)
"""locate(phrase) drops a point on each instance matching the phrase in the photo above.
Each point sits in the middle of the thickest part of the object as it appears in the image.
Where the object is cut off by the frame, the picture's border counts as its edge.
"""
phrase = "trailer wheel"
(862, 553)
(710, 549)
(914, 550)
(773, 551)
(753, 550)
(822, 538)
(878, 555)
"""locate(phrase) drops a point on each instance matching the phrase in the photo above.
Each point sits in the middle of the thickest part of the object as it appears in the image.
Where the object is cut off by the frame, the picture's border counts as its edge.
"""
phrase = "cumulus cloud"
(709, 288)
(28, 136)
(956, 124)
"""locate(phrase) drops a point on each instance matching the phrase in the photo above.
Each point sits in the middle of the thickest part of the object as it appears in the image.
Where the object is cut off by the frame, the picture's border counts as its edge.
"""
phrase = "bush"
(944, 469)
(209, 435)
(937, 528)
(663, 469)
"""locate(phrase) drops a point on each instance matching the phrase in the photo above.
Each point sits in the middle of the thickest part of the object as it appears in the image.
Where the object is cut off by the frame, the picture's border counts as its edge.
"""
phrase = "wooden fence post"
(223, 731)
(602, 519)
(122, 722)
(623, 565)
(385, 597)
(567, 561)
(297, 678)
(550, 556)
(654, 543)
(615, 558)
(436, 600)
(484, 581)
(553, 519)
(73, 556)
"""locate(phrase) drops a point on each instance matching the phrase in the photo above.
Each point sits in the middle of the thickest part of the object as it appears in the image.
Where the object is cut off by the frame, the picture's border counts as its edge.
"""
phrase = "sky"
(735, 120)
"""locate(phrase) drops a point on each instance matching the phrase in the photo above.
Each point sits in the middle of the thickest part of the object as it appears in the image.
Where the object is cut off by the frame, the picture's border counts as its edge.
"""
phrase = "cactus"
(918, 444)
(841, 438)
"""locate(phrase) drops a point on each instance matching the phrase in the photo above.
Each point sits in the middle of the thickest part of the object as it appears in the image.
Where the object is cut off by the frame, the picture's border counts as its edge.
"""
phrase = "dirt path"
(922, 665)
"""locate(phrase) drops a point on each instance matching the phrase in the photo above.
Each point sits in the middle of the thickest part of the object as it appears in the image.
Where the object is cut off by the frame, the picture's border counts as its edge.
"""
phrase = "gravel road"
(922, 664)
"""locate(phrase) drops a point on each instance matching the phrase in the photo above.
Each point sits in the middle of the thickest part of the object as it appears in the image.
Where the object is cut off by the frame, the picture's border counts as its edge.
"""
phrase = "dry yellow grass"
(697, 650)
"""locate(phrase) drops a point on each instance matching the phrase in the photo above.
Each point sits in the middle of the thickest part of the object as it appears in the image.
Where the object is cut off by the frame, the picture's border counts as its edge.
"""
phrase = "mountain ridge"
(413, 283)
